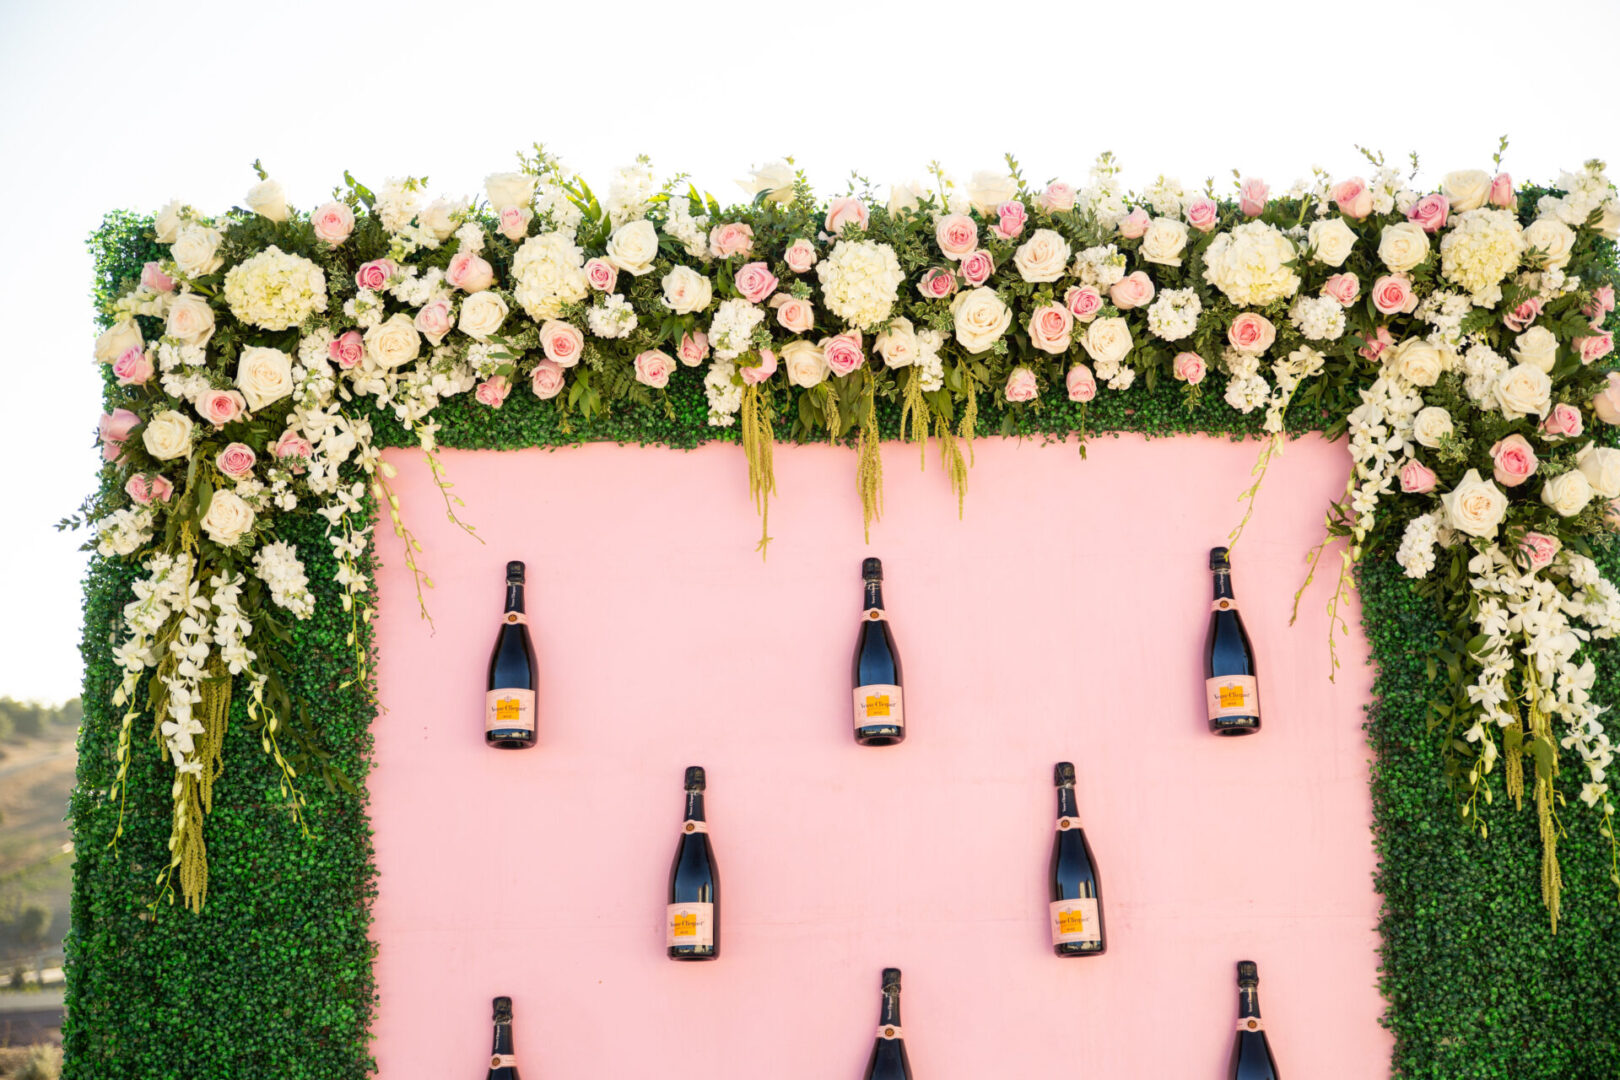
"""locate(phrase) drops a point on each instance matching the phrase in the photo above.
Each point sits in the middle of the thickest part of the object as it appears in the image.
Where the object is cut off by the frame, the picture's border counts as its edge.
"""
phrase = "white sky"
(105, 106)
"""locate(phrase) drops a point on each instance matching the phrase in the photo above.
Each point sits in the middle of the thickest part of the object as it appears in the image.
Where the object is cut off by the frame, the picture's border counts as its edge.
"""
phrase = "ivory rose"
(1606, 402)
(687, 291)
(1601, 464)
(1563, 422)
(1392, 295)
(1353, 197)
(1429, 212)
(937, 283)
(333, 222)
(732, 238)
(1539, 549)
(800, 256)
(1108, 340)
(1252, 197)
(1513, 461)
(167, 435)
(134, 368)
(482, 314)
(843, 352)
(1163, 243)
(1417, 478)
(755, 281)
(988, 190)
(1050, 329)
(1475, 506)
(167, 223)
(1021, 385)
(761, 371)
(196, 251)
(1331, 241)
(1466, 189)
(956, 235)
(653, 368)
(897, 343)
(1567, 493)
(347, 349)
(268, 200)
(236, 460)
(1043, 257)
(1523, 390)
(1403, 246)
(1083, 302)
(980, 319)
(1131, 291)
(1416, 361)
(146, 490)
(561, 342)
(394, 341)
(633, 247)
(493, 391)
(1251, 333)
(1431, 425)
(693, 349)
(977, 267)
(472, 273)
(117, 340)
(509, 190)
(265, 375)
(793, 314)
(846, 210)
(228, 518)
(1188, 367)
(547, 380)
(1537, 347)
(439, 218)
(1203, 214)
(805, 363)
(1548, 242)
(190, 321)
(903, 199)
(1342, 287)
(1080, 383)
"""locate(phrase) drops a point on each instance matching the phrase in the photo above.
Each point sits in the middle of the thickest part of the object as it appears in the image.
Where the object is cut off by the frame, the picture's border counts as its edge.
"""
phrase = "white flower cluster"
(929, 366)
(1586, 193)
(1444, 310)
(1319, 318)
(1479, 249)
(1251, 265)
(550, 272)
(1174, 314)
(1246, 388)
(1288, 373)
(1100, 266)
(629, 192)
(277, 565)
(1416, 554)
(124, 531)
(613, 317)
(724, 390)
(692, 232)
(1381, 430)
(861, 281)
(273, 290)
(731, 332)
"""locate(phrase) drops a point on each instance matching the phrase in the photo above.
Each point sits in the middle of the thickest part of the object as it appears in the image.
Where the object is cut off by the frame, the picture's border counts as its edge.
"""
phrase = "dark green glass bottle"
(692, 920)
(880, 715)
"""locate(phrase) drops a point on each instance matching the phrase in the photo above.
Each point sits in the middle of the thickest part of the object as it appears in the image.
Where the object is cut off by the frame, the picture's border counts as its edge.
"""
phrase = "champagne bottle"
(1251, 1054)
(889, 1061)
(1076, 907)
(509, 704)
(1231, 688)
(880, 717)
(502, 1062)
(692, 921)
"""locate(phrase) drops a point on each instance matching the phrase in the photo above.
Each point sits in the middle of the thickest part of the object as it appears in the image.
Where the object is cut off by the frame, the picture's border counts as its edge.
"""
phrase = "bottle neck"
(1223, 585)
(1067, 804)
(514, 596)
(874, 595)
(1248, 1002)
(503, 1037)
(694, 806)
(891, 1008)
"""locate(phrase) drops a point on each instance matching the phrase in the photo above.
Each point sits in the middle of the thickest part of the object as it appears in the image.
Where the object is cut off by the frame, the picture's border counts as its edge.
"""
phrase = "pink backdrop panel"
(1063, 618)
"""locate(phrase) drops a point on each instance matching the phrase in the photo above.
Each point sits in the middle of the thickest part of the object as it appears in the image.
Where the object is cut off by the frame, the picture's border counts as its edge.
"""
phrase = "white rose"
(196, 249)
(1567, 493)
(167, 435)
(1043, 257)
(686, 290)
(168, 221)
(1403, 246)
(1475, 506)
(1522, 390)
(1332, 240)
(1608, 224)
(509, 190)
(1466, 190)
(191, 320)
(1108, 340)
(1549, 242)
(903, 198)
(981, 318)
(1537, 347)
(988, 190)
(117, 340)
(394, 341)
(482, 314)
(775, 180)
(897, 344)
(1431, 425)
(265, 375)
(633, 247)
(805, 362)
(268, 200)
(228, 518)
(1164, 242)
(1418, 362)
(1601, 466)
(439, 218)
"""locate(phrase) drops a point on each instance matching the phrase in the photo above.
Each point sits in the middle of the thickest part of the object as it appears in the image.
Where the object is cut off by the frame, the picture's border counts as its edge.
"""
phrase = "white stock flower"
(1466, 189)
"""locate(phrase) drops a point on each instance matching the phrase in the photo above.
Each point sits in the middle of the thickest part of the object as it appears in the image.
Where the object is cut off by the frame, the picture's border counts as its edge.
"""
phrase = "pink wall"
(1061, 620)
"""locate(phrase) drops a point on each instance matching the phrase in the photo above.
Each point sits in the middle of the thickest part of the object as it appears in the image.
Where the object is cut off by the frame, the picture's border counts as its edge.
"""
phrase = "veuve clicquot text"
(880, 712)
(692, 920)
(1076, 907)
(1251, 1053)
(1231, 685)
(509, 705)
(889, 1061)
(502, 1062)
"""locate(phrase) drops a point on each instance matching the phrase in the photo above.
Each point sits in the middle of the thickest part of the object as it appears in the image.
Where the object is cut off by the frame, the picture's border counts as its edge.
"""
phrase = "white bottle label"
(509, 709)
(689, 924)
(503, 1061)
(889, 1031)
(689, 826)
(1250, 1023)
(1075, 920)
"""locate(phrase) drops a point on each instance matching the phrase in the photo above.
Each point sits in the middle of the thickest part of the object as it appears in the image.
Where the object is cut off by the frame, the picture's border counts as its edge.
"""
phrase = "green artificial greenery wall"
(274, 978)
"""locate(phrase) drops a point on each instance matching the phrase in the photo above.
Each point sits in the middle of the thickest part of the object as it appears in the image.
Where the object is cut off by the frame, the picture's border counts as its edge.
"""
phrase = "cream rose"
(981, 319)
(1332, 240)
(265, 375)
(394, 341)
(1043, 257)
(633, 247)
(1467, 189)
(117, 340)
(1537, 347)
(897, 343)
(686, 290)
(1601, 465)
(1522, 390)
(191, 320)
(1548, 242)
(903, 199)
(508, 191)
(1164, 242)
(1567, 493)
(1108, 340)
(1475, 506)
(1403, 246)
(988, 190)
(1431, 425)
(228, 518)
(482, 314)
(1416, 361)
(268, 200)
(806, 364)
(167, 435)
(439, 218)
(168, 222)
(196, 250)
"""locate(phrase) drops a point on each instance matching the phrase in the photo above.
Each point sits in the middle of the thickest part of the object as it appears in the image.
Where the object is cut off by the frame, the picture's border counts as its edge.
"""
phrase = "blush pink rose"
(732, 238)
(937, 283)
(800, 256)
(1080, 383)
(236, 460)
(1502, 196)
(547, 380)
(347, 349)
(1051, 328)
(846, 211)
(1594, 346)
(561, 342)
(653, 368)
(434, 320)
(515, 222)
(374, 275)
(1342, 287)
(843, 352)
(1083, 302)
(1522, 316)
(146, 490)
(693, 349)
(755, 281)
(1563, 422)
(1251, 333)
(1021, 385)
(1392, 295)
(1252, 197)
(1604, 295)
(134, 367)
(1134, 224)
(220, 407)
(471, 273)
(1539, 549)
(153, 277)
(761, 371)
(1374, 348)
(493, 390)
(1203, 214)
(956, 235)
(977, 268)
(1010, 220)
(292, 447)
(1429, 213)
(113, 431)
(1056, 198)
(1353, 197)
(1417, 478)
(1515, 461)
(1132, 291)
(332, 222)
(1188, 367)
(794, 314)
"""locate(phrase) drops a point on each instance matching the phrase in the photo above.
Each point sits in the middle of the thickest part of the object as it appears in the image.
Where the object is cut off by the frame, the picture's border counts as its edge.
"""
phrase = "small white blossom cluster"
(1246, 388)
(1100, 266)
(1288, 373)
(930, 367)
(1586, 193)
(692, 232)
(1174, 314)
(277, 565)
(724, 390)
(628, 193)
(731, 332)
(1416, 553)
(124, 531)
(1444, 310)
(613, 317)
(1319, 318)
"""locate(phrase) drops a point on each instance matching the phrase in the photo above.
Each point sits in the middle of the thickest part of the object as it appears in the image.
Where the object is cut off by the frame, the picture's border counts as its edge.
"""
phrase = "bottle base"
(1077, 948)
(510, 738)
(880, 735)
(1235, 725)
(691, 953)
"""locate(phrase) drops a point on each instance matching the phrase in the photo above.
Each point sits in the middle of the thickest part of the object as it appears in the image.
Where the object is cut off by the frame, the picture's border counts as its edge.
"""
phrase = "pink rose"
(493, 390)
(956, 235)
(732, 238)
(1131, 291)
(333, 223)
(1010, 220)
(846, 211)
(843, 352)
(134, 367)
(1502, 195)
(1050, 328)
(292, 447)
(1342, 287)
(761, 371)
(1056, 198)
(1594, 346)
(1563, 422)
(1134, 224)
(113, 431)
(1353, 197)
(434, 320)
(1203, 214)
(1374, 348)
(755, 281)
(1604, 295)
(1021, 385)
(937, 283)
(653, 368)
(1081, 384)
(515, 222)
(374, 275)
(472, 273)
(800, 256)
(1429, 213)
(148, 489)
(561, 342)
(1188, 367)
(347, 349)
(153, 277)
(1417, 478)
(1515, 461)
(1539, 549)
(220, 407)
(694, 348)
(1251, 333)
(1083, 302)
(547, 380)
(1392, 294)
(977, 268)
(794, 314)
(236, 460)
(1523, 315)
(1252, 197)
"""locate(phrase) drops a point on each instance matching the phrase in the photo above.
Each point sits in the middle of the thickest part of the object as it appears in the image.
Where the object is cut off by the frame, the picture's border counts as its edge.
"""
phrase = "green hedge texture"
(274, 979)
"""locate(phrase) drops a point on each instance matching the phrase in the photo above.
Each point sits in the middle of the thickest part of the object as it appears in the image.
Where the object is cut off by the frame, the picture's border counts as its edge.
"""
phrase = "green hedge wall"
(274, 978)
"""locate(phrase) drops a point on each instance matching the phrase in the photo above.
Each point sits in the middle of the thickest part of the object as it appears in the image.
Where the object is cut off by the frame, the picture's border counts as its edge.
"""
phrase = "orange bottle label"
(689, 924)
(1232, 695)
(509, 709)
(880, 703)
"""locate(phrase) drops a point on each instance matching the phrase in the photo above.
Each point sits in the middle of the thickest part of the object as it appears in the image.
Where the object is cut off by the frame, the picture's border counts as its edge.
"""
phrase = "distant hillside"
(36, 862)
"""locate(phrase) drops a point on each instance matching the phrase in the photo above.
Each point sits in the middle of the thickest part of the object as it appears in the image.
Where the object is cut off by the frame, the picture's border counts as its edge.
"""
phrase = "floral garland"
(1453, 334)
